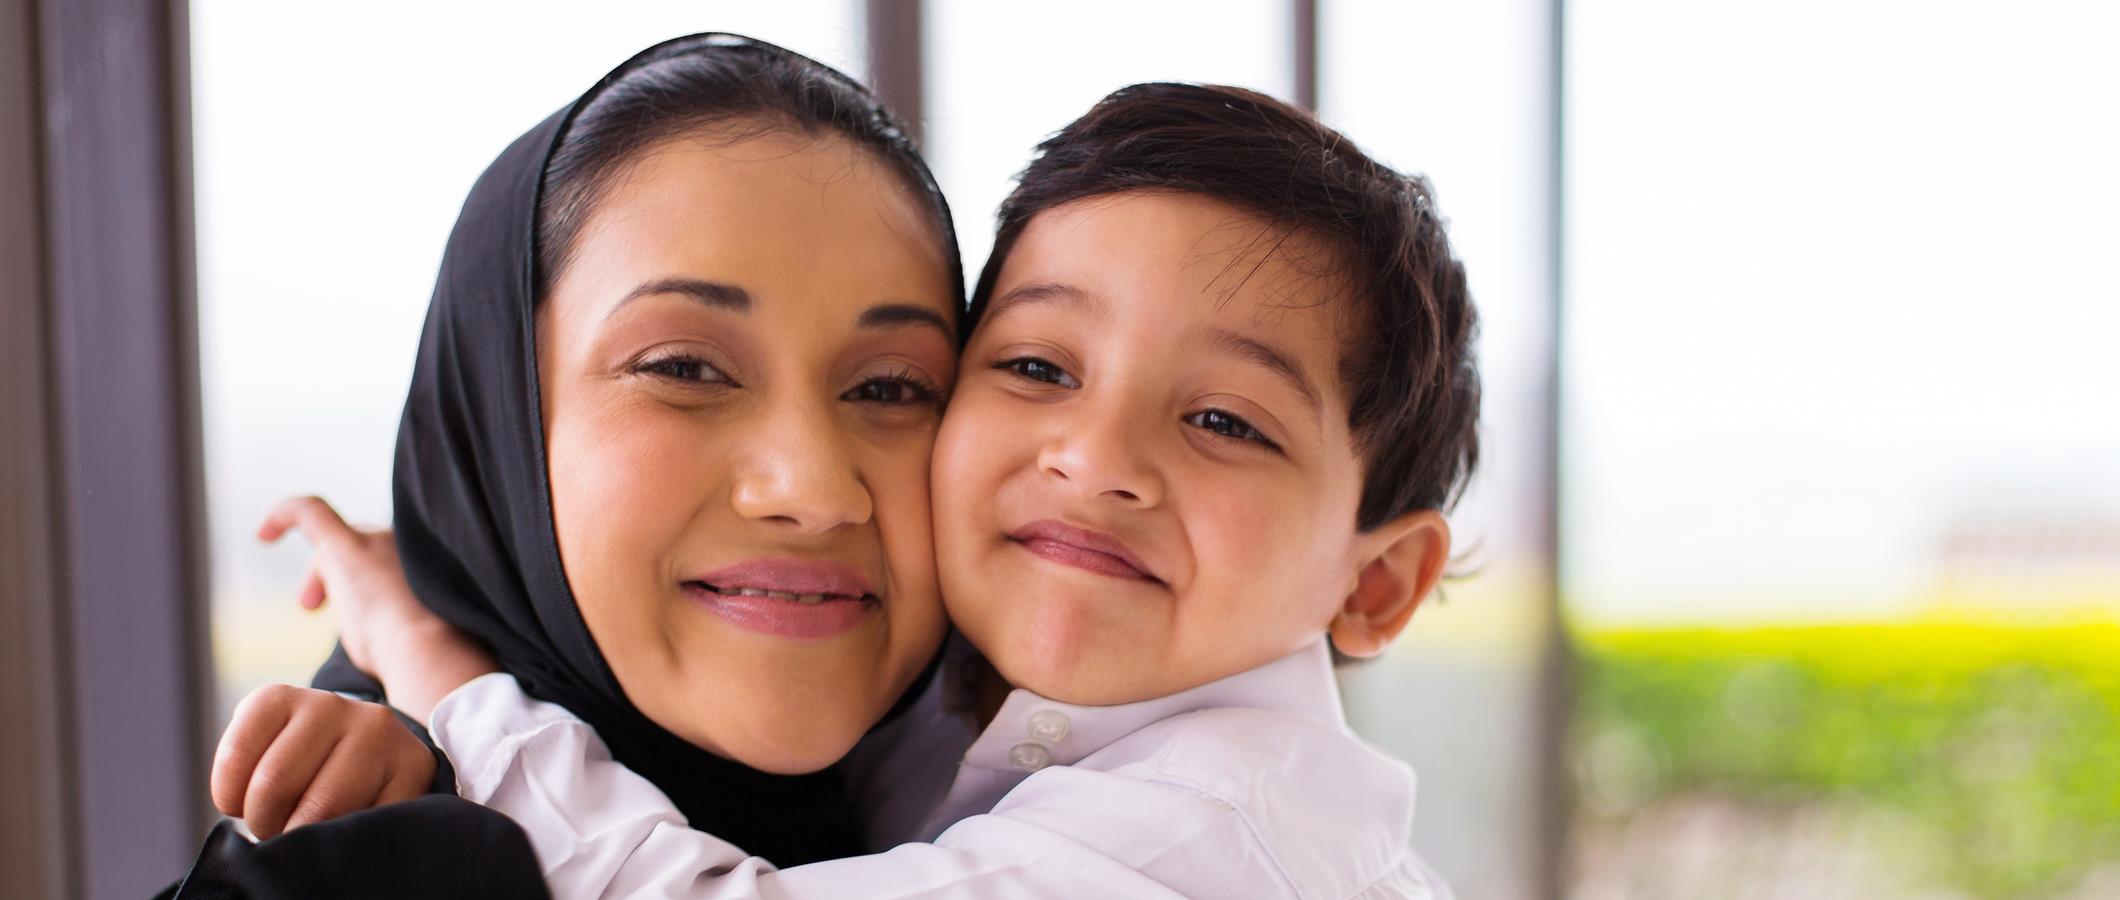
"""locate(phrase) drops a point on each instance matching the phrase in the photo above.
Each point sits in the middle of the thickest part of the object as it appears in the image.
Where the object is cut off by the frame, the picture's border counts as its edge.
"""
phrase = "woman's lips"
(788, 575)
(787, 597)
(1084, 549)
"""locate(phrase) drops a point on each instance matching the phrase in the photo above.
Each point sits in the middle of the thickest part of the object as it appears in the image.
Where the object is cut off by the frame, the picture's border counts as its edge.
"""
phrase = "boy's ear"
(1401, 561)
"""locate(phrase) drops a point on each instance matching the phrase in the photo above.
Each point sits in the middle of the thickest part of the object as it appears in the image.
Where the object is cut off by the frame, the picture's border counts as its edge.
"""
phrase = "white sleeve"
(600, 830)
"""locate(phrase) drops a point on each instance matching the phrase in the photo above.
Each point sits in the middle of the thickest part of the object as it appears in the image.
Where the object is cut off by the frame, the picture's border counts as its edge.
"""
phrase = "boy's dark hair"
(1408, 362)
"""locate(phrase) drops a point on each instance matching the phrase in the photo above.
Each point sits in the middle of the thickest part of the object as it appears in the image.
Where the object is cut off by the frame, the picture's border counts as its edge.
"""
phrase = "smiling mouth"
(1082, 549)
(785, 614)
(805, 599)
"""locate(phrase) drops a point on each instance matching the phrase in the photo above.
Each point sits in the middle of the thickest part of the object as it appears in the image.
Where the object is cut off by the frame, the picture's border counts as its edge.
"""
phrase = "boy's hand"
(292, 756)
(386, 631)
(356, 571)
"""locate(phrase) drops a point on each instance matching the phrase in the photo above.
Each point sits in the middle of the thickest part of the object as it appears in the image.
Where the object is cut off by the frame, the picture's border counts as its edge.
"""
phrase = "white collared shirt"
(1251, 786)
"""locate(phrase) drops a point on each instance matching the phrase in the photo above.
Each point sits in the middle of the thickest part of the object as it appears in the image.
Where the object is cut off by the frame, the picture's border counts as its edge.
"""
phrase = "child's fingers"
(348, 781)
(312, 595)
(257, 720)
(284, 774)
(315, 518)
(412, 773)
(405, 784)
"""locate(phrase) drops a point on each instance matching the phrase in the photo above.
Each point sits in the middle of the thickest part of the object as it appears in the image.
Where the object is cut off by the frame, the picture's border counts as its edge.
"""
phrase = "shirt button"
(1048, 725)
(1029, 757)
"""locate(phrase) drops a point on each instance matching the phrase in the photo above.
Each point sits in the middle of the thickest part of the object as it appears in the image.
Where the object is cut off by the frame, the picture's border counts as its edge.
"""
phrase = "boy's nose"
(1096, 455)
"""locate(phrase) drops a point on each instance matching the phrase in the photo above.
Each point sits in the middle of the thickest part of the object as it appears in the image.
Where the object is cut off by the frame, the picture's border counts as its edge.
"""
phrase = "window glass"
(1842, 511)
(1002, 76)
(1461, 92)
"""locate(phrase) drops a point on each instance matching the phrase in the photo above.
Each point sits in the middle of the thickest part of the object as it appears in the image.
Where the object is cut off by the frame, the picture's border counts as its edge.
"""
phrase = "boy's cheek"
(1270, 551)
(978, 438)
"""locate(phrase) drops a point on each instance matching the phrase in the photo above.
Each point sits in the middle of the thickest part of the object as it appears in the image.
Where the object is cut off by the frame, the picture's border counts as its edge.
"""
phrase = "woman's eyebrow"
(899, 315)
(716, 294)
(725, 296)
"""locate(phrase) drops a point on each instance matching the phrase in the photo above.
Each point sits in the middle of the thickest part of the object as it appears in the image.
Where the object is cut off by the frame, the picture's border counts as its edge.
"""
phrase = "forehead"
(1171, 262)
(779, 212)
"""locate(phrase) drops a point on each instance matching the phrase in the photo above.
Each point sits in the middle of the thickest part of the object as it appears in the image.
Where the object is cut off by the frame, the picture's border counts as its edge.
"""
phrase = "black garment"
(434, 846)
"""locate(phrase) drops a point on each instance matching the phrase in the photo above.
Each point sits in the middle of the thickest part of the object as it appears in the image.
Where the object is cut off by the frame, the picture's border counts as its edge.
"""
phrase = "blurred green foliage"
(2001, 743)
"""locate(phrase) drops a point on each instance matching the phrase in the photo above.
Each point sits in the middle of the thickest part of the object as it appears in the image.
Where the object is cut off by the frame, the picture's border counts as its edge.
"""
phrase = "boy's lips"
(1084, 549)
(786, 597)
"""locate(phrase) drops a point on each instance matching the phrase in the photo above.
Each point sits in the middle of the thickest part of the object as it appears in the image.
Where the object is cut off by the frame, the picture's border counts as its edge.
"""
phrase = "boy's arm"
(291, 756)
(383, 629)
(599, 829)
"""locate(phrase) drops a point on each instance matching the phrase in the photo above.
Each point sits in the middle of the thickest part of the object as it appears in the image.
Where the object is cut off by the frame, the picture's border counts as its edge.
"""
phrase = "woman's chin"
(782, 735)
(785, 748)
(779, 706)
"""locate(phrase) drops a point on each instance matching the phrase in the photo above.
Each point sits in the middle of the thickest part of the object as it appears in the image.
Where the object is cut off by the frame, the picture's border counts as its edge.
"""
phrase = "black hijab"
(473, 513)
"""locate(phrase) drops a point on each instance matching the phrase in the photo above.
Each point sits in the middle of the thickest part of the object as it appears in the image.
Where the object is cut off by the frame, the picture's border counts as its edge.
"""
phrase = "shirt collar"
(1033, 731)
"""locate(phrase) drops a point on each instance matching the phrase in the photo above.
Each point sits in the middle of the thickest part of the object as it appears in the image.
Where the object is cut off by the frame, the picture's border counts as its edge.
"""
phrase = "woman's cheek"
(897, 476)
(605, 487)
(623, 487)
(902, 501)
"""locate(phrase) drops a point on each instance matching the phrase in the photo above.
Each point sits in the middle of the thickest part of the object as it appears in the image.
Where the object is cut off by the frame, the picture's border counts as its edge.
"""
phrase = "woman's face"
(742, 370)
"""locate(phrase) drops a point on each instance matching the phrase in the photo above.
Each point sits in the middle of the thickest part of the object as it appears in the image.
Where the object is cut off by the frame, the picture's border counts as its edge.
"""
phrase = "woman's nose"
(797, 472)
(1101, 452)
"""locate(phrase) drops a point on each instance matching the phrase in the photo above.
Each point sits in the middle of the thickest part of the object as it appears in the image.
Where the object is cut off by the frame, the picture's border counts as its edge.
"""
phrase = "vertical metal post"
(1557, 666)
(126, 437)
(896, 45)
(37, 846)
(1303, 32)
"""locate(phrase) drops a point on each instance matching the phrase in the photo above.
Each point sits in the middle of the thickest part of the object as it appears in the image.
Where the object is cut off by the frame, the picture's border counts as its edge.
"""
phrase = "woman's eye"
(899, 389)
(1230, 426)
(683, 368)
(1040, 370)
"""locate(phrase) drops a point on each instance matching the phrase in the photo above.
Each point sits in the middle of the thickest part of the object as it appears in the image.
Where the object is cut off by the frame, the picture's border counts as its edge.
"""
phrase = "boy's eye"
(1039, 370)
(683, 368)
(1229, 425)
(902, 389)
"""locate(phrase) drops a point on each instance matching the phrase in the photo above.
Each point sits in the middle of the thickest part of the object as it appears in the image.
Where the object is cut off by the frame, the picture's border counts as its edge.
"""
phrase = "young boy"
(1219, 388)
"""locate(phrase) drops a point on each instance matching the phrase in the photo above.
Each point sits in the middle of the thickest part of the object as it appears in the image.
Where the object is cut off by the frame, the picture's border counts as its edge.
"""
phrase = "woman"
(665, 450)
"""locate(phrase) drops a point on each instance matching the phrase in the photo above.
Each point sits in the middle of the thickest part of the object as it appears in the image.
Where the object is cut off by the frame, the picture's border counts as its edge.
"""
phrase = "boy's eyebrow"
(717, 294)
(1223, 340)
(1043, 292)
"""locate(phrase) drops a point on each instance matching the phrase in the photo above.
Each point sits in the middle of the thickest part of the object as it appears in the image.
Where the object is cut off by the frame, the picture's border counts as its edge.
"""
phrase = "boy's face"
(1145, 481)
